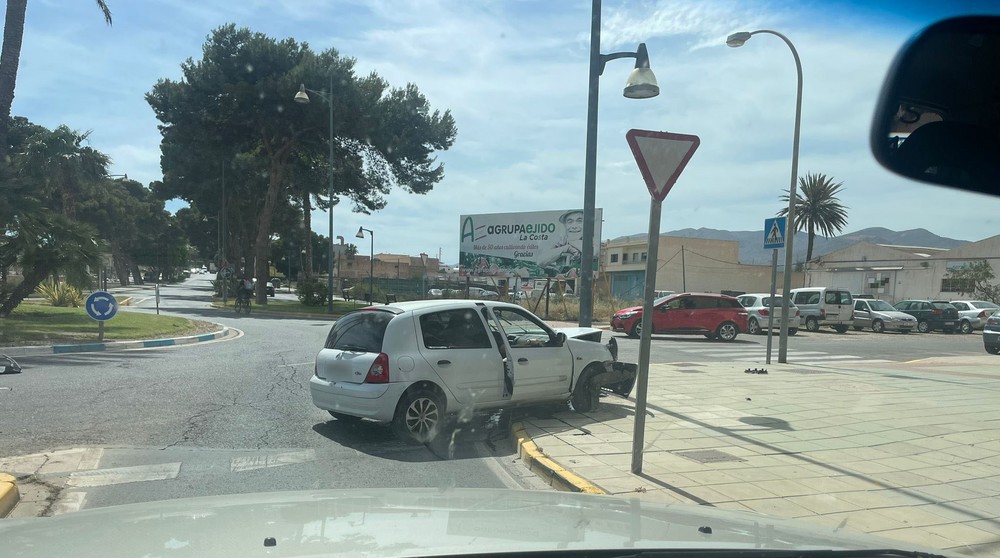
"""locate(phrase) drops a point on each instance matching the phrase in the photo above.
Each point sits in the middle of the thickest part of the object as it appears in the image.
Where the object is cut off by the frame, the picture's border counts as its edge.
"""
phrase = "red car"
(713, 315)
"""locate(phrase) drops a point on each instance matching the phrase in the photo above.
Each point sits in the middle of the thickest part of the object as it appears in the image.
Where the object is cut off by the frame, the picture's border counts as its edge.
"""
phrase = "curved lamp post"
(737, 40)
(303, 97)
(371, 262)
(641, 84)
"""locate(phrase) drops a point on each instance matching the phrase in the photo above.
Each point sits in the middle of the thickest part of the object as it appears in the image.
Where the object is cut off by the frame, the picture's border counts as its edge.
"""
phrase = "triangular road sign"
(661, 157)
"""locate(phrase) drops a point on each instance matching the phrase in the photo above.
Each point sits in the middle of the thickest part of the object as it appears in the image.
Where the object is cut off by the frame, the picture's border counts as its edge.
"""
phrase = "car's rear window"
(766, 301)
(943, 305)
(360, 331)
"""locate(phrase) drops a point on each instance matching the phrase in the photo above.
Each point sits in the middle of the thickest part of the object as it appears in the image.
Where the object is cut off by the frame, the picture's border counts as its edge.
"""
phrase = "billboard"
(530, 244)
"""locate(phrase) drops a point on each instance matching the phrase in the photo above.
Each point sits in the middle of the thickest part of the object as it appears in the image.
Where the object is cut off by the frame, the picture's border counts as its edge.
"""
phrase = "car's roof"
(676, 295)
(438, 304)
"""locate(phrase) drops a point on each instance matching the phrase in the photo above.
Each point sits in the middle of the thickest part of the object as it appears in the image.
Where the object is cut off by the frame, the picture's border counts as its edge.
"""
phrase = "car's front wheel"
(636, 330)
(753, 328)
(966, 326)
(585, 395)
(923, 326)
(993, 349)
(878, 326)
(727, 331)
(418, 416)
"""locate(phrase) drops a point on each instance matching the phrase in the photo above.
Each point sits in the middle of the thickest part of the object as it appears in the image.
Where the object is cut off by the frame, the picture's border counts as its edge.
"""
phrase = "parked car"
(713, 315)
(484, 294)
(880, 316)
(972, 314)
(825, 306)
(758, 308)
(931, 315)
(867, 296)
(411, 363)
(991, 334)
(435, 293)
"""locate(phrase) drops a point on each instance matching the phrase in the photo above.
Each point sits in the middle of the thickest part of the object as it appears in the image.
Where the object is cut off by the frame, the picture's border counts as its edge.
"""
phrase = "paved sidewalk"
(908, 451)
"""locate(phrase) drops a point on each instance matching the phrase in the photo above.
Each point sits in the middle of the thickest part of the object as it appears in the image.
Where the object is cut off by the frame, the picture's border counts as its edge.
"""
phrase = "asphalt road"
(235, 416)
(215, 418)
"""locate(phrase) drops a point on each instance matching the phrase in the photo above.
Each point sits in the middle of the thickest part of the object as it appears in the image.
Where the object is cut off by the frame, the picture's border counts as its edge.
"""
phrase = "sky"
(514, 75)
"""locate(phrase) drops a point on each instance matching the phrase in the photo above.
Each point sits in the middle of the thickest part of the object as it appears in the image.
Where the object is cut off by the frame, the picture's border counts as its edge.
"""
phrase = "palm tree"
(817, 207)
(10, 55)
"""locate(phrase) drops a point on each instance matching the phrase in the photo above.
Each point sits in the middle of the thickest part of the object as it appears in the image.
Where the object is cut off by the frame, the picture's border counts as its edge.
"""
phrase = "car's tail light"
(822, 314)
(378, 372)
(993, 321)
(982, 314)
(937, 312)
(796, 313)
(763, 312)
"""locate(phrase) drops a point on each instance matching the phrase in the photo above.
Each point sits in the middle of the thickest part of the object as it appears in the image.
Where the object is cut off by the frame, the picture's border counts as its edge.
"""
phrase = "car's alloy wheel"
(966, 327)
(727, 331)
(812, 324)
(923, 326)
(878, 326)
(753, 328)
(418, 416)
(636, 329)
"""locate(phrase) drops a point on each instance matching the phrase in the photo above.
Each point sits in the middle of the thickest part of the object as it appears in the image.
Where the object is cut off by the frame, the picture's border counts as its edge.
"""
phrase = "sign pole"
(770, 305)
(100, 330)
(642, 379)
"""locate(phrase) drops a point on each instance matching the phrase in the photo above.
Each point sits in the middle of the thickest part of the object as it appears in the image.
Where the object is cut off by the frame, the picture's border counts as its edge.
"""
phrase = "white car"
(758, 307)
(481, 293)
(411, 363)
(972, 314)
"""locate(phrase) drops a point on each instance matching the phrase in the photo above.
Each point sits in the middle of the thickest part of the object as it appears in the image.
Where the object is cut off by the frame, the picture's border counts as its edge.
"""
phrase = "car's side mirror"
(560, 339)
(937, 118)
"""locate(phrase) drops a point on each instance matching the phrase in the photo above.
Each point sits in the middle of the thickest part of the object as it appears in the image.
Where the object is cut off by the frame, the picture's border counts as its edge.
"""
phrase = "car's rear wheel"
(727, 331)
(418, 416)
(878, 326)
(993, 349)
(636, 330)
(840, 328)
(923, 326)
(793, 331)
(753, 328)
(966, 327)
(812, 324)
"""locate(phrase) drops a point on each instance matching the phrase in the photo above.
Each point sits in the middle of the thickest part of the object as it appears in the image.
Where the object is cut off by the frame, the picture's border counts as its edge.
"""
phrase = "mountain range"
(752, 252)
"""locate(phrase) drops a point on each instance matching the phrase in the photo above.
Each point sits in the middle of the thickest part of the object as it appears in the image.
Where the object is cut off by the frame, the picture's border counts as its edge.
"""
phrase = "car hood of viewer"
(407, 522)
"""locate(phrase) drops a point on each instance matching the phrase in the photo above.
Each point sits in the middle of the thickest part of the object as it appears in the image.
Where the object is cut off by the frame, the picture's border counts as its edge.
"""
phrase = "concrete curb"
(556, 475)
(118, 345)
(218, 306)
(9, 495)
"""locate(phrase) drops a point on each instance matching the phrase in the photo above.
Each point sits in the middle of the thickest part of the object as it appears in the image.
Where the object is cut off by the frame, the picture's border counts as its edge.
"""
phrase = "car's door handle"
(522, 361)
(444, 362)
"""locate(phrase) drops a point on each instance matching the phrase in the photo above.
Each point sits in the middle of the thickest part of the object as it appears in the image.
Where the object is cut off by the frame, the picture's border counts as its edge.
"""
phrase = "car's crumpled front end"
(585, 344)
(409, 522)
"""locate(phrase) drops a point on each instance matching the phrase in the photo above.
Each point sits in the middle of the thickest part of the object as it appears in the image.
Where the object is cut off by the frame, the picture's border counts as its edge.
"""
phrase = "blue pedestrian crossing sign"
(101, 306)
(774, 232)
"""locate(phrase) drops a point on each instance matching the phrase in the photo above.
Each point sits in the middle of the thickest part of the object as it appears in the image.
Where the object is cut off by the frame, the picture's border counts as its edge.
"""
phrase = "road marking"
(267, 461)
(90, 459)
(299, 363)
(59, 461)
(123, 475)
(69, 502)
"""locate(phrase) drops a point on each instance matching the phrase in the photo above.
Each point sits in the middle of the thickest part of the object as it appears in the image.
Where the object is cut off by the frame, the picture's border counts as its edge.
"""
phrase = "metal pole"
(329, 263)
(371, 270)
(790, 227)
(770, 312)
(642, 380)
(590, 172)
(684, 277)
(225, 277)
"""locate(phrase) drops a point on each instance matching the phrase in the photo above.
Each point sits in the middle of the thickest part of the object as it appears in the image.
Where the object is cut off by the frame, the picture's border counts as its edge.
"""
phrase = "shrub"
(311, 293)
(60, 294)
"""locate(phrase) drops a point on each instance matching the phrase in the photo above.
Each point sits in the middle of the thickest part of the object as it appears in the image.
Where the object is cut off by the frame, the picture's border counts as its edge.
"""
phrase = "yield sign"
(661, 157)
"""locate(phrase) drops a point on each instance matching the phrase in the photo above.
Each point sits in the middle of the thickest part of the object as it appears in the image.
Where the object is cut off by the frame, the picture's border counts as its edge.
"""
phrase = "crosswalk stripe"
(122, 475)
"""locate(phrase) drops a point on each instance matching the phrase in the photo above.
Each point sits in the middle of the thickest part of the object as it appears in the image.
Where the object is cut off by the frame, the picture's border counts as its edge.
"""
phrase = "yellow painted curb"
(555, 474)
(9, 495)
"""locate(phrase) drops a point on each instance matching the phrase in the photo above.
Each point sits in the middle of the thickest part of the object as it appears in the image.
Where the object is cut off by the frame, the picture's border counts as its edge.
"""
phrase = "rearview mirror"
(938, 116)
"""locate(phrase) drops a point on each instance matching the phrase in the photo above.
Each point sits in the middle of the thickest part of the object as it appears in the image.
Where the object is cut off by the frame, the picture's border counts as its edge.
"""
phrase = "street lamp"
(303, 97)
(371, 262)
(641, 84)
(737, 40)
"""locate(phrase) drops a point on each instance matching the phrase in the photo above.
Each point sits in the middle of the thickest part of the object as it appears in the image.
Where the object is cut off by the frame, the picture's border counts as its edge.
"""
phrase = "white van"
(825, 306)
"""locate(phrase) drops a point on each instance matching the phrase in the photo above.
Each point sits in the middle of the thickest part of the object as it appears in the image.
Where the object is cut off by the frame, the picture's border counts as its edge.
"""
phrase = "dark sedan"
(931, 315)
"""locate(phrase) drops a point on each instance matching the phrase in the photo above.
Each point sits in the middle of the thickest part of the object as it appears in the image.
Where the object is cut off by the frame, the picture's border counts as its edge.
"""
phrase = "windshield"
(880, 306)
(265, 247)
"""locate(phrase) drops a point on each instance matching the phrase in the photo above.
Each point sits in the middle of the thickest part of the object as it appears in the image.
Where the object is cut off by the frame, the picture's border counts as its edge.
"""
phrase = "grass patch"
(39, 324)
